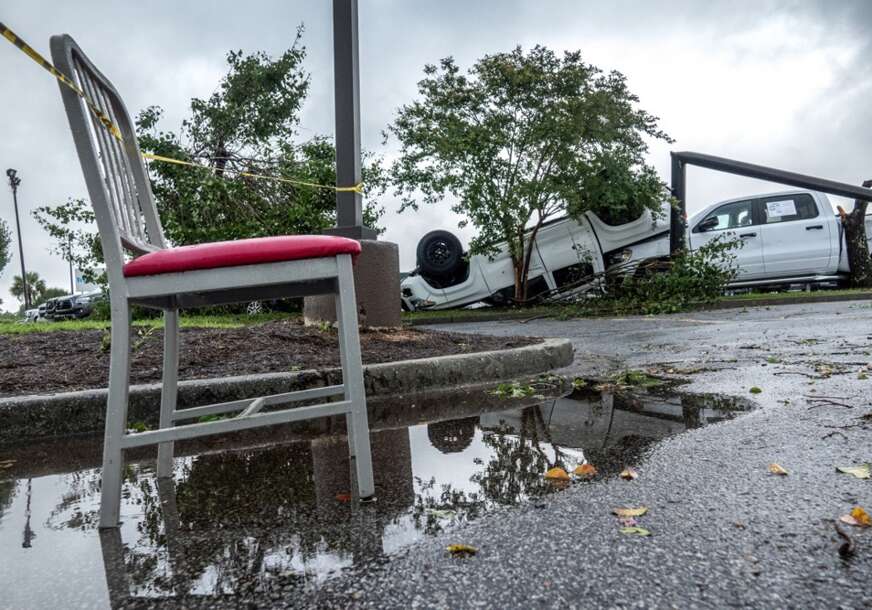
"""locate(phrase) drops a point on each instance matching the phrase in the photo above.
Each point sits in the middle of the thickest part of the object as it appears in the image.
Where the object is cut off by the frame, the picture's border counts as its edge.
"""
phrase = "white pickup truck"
(788, 237)
(791, 237)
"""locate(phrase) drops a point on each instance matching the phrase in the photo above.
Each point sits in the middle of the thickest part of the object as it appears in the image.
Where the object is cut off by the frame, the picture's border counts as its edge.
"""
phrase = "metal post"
(14, 181)
(678, 212)
(346, 74)
(70, 259)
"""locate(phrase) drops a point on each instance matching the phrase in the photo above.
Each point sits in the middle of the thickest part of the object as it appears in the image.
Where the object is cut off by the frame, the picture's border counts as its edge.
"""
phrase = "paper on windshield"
(785, 207)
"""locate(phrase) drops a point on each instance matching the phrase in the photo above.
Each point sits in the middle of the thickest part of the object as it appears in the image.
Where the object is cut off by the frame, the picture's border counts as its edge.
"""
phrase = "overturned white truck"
(788, 237)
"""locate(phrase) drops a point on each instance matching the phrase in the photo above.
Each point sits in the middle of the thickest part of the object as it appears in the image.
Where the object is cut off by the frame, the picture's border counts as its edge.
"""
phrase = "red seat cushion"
(240, 252)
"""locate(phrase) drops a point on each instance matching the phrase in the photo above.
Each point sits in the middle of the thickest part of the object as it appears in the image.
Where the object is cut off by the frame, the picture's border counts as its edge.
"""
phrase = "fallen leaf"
(629, 474)
(861, 517)
(462, 550)
(343, 497)
(585, 471)
(557, 474)
(777, 469)
(635, 531)
(630, 512)
(863, 471)
(755, 390)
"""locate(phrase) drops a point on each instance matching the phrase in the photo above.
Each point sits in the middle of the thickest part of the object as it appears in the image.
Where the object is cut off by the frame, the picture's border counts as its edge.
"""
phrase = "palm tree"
(35, 286)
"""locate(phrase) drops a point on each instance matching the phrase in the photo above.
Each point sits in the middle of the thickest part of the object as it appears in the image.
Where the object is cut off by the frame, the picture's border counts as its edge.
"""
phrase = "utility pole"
(346, 74)
(14, 181)
(377, 273)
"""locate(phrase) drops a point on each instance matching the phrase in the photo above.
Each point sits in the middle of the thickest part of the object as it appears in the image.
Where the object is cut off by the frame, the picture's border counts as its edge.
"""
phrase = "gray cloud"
(776, 82)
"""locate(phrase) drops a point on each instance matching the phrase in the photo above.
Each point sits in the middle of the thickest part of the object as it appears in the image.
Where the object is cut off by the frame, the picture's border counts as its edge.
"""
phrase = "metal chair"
(193, 276)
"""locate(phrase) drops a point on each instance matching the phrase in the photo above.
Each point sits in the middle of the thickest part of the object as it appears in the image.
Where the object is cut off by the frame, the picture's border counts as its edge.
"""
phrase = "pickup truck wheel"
(439, 254)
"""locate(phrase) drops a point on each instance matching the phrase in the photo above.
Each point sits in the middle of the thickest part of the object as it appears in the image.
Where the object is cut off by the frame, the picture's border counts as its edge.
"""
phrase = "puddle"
(268, 516)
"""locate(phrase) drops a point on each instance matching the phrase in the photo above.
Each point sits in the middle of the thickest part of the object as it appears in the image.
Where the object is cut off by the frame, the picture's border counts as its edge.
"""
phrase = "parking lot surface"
(724, 530)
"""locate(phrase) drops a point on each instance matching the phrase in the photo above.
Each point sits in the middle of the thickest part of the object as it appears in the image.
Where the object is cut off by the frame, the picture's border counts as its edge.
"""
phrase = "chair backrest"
(114, 171)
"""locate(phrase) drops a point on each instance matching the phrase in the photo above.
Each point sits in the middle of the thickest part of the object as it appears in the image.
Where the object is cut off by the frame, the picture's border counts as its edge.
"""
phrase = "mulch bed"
(60, 361)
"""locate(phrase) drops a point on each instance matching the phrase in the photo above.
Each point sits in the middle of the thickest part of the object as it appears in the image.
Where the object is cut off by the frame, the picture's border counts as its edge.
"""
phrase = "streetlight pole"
(346, 75)
(377, 273)
(14, 181)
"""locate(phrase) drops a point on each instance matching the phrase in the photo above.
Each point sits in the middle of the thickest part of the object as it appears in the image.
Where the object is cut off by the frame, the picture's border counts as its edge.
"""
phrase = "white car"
(788, 237)
(565, 251)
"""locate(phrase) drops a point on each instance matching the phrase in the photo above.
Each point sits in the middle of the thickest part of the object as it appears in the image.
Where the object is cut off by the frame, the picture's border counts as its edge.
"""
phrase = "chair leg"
(169, 391)
(352, 377)
(116, 414)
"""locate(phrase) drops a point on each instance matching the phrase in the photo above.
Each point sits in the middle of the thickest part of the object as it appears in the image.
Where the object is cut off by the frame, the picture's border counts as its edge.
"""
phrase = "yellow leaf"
(630, 512)
(557, 474)
(635, 531)
(861, 516)
(629, 474)
(863, 471)
(462, 550)
(585, 471)
(777, 469)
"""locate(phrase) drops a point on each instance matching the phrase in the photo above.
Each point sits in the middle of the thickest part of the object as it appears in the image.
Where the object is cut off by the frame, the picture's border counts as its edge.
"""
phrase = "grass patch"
(798, 294)
(195, 321)
(590, 310)
(638, 379)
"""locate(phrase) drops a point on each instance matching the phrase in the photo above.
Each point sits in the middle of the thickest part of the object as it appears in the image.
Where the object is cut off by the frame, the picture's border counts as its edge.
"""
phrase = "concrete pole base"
(376, 284)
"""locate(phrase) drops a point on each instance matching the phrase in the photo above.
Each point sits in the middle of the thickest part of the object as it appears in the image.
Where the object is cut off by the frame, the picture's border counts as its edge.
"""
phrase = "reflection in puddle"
(278, 518)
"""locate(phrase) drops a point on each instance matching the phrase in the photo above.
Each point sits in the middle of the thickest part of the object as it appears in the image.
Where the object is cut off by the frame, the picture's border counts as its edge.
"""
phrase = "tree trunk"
(856, 244)
(522, 266)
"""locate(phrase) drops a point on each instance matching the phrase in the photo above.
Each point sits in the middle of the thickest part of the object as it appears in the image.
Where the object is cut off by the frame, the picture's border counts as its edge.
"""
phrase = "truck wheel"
(439, 254)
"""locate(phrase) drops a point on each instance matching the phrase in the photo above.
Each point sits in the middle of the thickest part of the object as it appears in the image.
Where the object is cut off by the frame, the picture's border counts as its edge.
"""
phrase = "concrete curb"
(70, 413)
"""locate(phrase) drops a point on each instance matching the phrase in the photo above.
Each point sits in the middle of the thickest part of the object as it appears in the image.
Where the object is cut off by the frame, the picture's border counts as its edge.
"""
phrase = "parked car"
(71, 306)
(566, 250)
(788, 237)
(31, 315)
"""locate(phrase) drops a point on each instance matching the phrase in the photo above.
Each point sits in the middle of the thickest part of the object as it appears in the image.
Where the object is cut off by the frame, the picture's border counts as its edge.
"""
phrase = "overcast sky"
(775, 82)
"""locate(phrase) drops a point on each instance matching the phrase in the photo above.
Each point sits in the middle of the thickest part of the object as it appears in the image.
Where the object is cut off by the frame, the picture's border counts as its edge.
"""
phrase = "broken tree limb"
(856, 244)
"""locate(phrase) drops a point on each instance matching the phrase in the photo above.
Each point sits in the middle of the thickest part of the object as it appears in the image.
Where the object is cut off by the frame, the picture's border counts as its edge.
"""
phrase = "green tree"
(248, 125)
(35, 287)
(521, 138)
(49, 293)
(5, 243)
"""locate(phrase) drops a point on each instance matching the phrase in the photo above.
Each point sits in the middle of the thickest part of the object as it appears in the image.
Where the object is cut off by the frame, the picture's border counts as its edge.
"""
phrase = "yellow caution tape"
(113, 129)
(28, 50)
(357, 188)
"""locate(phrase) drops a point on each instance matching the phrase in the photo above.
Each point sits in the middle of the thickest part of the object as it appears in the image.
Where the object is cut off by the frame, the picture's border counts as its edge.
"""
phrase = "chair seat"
(240, 252)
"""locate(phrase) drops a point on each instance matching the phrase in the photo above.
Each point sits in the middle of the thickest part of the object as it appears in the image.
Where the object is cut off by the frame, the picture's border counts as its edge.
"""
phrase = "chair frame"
(127, 218)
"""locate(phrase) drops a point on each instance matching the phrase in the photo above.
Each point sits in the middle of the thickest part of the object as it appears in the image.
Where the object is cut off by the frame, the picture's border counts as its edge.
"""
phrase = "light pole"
(346, 76)
(14, 181)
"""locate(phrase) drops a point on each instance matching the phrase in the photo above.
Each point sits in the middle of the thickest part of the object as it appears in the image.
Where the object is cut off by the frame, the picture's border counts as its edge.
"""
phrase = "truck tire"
(439, 254)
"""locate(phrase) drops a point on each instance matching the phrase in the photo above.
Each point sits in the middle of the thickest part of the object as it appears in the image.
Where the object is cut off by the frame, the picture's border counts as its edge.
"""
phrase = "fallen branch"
(797, 373)
(830, 403)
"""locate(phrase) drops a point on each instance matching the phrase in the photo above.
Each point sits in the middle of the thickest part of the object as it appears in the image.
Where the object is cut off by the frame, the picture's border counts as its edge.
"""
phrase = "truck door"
(734, 220)
(796, 236)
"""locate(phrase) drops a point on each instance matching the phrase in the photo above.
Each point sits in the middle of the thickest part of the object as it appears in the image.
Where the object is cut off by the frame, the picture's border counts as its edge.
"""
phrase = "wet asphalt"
(724, 531)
